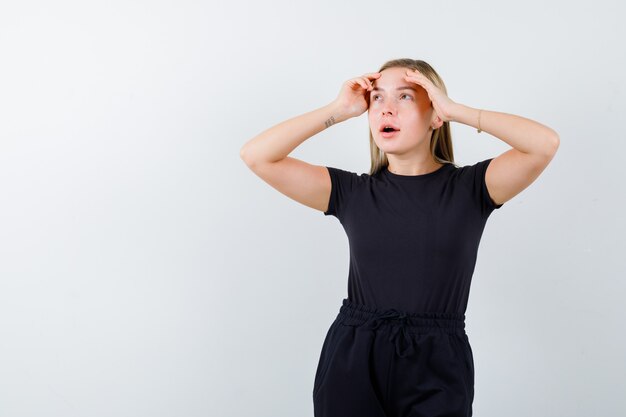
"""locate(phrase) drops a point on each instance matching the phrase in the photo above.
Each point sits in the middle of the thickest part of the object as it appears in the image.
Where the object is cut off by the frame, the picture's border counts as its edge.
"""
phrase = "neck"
(413, 168)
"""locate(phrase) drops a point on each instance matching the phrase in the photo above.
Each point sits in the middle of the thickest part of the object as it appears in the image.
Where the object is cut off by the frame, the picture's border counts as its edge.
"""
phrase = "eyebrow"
(404, 87)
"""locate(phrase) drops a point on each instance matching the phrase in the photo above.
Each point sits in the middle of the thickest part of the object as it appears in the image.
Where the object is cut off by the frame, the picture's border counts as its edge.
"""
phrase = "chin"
(389, 150)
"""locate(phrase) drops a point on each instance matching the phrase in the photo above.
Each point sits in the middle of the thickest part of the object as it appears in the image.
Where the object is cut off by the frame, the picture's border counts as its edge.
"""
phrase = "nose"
(388, 108)
(388, 111)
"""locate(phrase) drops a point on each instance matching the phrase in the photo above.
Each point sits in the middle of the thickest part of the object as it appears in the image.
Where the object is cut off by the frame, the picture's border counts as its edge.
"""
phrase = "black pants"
(394, 364)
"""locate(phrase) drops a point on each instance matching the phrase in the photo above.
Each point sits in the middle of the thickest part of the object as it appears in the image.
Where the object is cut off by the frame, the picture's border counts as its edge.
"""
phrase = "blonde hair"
(441, 138)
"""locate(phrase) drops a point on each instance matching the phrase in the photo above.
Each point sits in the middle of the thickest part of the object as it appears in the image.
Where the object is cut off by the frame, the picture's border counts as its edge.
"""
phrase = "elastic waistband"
(401, 324)
(353, 314)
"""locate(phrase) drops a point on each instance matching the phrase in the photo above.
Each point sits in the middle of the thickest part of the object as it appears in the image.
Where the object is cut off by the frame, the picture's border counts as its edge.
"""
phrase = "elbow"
(247, 157)
(551, 145)
(243, 154)
(555, 141)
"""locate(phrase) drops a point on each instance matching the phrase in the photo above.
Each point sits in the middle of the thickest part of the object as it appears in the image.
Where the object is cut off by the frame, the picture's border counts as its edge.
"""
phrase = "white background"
(146, 271)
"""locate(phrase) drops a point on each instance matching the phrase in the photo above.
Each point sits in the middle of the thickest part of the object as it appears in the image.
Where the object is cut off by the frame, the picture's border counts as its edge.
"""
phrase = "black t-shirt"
(413, 238)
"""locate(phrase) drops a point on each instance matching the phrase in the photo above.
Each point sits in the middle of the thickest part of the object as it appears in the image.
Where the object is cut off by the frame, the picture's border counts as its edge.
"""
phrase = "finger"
(413, 80)
(417, 80)
(361, 83)
(421, 77)
(374, 76)
(369, 83)
(354, 81)
(415, 74)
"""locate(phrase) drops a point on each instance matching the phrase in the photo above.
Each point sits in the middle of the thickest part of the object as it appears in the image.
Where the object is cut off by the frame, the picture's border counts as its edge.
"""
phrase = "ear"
(436, 123)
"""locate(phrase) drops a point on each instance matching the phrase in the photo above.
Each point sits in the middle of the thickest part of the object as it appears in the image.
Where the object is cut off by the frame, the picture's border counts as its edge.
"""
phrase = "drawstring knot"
(400, 327)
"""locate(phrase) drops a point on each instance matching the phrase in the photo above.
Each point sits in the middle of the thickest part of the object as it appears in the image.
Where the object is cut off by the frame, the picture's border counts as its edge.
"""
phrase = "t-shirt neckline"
(415, 177)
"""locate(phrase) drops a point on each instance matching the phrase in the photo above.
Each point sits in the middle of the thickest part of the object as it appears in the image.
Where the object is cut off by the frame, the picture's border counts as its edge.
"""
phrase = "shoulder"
(344, 184)
(468, 173)
(346, 177)
(473, 178)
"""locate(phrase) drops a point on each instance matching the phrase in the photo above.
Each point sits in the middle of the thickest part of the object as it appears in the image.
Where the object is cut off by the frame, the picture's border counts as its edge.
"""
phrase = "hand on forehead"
(394, 79)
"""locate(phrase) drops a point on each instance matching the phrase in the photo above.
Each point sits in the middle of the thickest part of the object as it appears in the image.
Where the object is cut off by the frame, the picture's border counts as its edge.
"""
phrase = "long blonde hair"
(441, 138)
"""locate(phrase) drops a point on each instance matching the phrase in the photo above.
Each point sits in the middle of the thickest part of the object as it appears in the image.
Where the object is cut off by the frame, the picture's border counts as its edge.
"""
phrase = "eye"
(375, 96)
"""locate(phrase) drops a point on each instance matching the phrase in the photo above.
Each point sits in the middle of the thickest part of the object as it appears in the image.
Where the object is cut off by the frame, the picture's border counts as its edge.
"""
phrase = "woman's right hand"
(353, 99)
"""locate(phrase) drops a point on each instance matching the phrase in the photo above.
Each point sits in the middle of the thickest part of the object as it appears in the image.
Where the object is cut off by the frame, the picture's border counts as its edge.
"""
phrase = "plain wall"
(146, 271)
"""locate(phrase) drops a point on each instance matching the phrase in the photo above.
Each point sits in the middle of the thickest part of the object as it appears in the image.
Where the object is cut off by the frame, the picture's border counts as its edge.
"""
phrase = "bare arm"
(277, 142)
(267, 153)
(533, 147)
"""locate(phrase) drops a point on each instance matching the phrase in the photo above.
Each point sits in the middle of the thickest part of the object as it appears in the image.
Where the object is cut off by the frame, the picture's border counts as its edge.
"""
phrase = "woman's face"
(406, 106)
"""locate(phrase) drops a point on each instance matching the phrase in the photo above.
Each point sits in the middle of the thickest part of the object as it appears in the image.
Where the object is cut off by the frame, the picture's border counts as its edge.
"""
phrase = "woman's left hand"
(442, 104)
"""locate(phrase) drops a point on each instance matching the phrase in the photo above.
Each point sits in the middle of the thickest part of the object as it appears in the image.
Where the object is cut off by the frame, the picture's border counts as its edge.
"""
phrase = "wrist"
(456, 115)
(466, 115)
(336, 112)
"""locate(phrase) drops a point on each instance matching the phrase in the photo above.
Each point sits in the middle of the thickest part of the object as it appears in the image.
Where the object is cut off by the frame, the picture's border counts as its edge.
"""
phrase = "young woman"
(398, 345)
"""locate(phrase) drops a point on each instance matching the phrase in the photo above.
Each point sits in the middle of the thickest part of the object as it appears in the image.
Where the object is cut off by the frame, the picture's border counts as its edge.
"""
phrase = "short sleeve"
(475, 177)
(343, 184)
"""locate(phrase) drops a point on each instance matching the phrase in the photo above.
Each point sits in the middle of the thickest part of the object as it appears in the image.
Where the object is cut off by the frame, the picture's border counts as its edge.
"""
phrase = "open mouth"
(388, 131)
(389, 134)
(388, 127)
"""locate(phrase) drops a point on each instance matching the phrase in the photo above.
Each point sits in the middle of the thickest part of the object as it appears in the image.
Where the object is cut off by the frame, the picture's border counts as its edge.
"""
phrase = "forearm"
(278, 141)
(521, 133)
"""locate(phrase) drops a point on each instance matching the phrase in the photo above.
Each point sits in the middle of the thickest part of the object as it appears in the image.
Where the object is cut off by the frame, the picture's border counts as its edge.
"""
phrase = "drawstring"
(377, 319)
